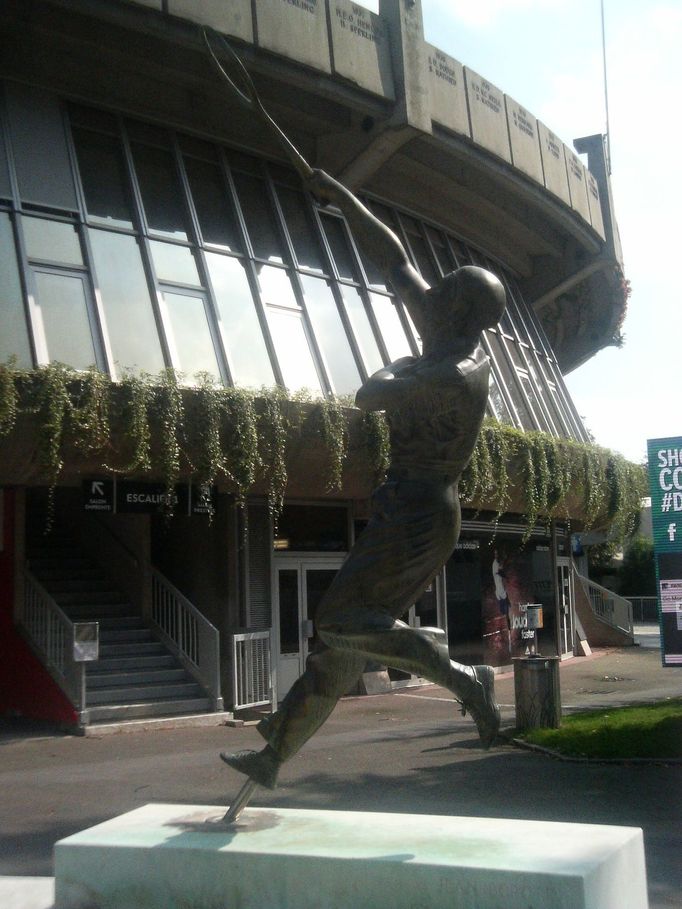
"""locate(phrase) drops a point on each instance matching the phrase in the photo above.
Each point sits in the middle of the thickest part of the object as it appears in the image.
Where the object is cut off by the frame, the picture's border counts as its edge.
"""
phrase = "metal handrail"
(188, 633)
(644, 609)
(608, 606)
(251, 669)
(51, 633)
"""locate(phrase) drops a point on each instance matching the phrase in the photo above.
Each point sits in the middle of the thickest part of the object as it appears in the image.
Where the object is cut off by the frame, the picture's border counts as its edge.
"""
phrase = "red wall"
(26, 688)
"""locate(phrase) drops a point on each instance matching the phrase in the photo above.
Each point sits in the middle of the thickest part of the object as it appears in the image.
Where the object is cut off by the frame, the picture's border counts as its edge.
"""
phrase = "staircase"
(136, 675)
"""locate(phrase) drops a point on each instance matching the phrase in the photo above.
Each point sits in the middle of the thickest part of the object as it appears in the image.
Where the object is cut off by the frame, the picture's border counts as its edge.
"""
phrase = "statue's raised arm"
(378, 242)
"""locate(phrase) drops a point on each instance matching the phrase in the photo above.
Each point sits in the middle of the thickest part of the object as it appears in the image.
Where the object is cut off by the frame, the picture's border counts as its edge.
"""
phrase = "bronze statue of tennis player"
(434, 405)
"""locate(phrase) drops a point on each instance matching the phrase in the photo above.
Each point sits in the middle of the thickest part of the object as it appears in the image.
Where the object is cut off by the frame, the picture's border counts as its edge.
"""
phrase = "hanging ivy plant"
(9, 398)
(154, 426)
(377, 442)
(272, 447)
(240, 438)
(335, 435)
(90, 411)
(135, 398)
(169, 410)
(52, 404)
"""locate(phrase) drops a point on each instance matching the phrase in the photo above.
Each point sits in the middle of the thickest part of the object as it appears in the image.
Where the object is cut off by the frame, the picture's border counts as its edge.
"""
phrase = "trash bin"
(537, 691)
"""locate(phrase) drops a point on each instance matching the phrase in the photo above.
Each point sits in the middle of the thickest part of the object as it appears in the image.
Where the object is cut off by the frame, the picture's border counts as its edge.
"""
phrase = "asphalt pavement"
(408, 751)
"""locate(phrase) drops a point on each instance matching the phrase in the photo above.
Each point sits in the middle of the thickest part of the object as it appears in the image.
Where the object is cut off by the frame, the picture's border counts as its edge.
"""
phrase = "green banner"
(665, 483)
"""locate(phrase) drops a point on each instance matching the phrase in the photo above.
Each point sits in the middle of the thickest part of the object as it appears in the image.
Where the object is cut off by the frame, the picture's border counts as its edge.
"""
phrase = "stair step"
(88, 597)
(84, 612)
(66, 574)
(130, 663)
(45, 563)
(125, 635)
(146, 648)
(120, 623)
(75, 584)
(155, 691)
(125, 677)
(148, 708)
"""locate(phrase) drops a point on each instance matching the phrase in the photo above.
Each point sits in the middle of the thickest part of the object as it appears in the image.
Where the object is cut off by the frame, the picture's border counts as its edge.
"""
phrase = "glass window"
(5, 185)
(289, 624)
(391, 327)
(189, 336)
(497, 402)
(532, 397)
(338, 242)
(275, 286)
(374, 274)
(508, 376)
(161, 191)
(420, 250)
(51, 241)
(14, 340)
(104, 178)
(330, 335)
(362, 328)
(239, 323)
(445, 261)
(293, 351)
(127, 306)
(213, 205)
(259, 217)
(61, 300)
(174, 263)
(305, 242)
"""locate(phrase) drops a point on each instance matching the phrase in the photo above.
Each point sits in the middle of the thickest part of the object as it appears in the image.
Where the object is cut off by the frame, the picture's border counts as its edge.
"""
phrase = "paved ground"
(405, 752)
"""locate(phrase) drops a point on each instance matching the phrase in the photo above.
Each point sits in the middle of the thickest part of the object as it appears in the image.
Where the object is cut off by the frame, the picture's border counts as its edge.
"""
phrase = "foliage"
(375, 431)
(650, 731)
(335, 434)
(638, 572)
(153, 425)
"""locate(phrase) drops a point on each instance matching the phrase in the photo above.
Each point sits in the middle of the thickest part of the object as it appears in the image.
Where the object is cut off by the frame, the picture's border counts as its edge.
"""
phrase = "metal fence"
(251, 668)
(609, 606)
(189, 634)
(644, 609)
(51, 634)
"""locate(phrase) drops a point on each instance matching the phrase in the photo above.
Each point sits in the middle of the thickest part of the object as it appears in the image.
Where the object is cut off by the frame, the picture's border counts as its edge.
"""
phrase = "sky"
(547, 54)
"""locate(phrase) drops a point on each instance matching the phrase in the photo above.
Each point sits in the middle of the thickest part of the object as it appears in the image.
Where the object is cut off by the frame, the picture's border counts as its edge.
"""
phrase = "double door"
(300, 584)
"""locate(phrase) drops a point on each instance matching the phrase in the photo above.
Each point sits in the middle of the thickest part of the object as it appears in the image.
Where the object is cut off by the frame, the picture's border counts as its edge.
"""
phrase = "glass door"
(565, 595)
(299, 588)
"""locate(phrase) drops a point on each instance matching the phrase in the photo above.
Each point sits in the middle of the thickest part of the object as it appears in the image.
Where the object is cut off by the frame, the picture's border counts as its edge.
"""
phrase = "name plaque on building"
(362, 52)
(447, 91)
(577, 184)
(296, 29)
(594, 200)
(233, 18)
(488, 115)
(525, 144)
(553, 163)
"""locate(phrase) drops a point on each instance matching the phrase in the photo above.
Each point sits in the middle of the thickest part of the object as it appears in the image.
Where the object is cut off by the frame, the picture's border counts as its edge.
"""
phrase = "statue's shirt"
(437, 431)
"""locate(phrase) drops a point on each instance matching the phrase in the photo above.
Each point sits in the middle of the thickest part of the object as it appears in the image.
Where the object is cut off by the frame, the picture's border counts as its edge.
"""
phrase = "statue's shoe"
(482, 706)
(260, 766)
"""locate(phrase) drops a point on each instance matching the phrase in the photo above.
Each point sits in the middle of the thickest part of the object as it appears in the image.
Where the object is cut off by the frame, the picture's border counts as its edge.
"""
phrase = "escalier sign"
(665, 483)
(116, 496)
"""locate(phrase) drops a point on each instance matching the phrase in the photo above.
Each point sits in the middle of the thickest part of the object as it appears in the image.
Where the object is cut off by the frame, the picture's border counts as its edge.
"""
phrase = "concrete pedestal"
(180, 857)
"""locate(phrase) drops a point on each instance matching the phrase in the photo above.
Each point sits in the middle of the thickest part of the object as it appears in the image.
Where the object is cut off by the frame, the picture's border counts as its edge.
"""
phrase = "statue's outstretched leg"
(328, 676)
(421, 651)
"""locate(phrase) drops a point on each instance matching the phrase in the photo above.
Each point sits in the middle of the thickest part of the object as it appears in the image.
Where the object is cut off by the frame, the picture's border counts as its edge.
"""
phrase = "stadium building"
(150, 224)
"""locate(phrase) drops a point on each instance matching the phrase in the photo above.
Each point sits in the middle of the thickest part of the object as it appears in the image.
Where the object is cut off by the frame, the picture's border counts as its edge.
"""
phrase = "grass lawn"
(650, 731)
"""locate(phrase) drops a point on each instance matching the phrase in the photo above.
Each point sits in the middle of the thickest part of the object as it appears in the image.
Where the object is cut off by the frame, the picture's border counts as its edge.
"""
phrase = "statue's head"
(469, 300)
